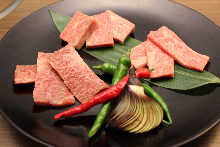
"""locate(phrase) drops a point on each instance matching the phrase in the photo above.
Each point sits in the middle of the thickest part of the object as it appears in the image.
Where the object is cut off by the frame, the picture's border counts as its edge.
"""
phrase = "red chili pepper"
(104, 96)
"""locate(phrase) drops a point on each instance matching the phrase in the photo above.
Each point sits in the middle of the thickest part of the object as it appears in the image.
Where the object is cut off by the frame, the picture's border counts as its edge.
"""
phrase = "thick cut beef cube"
(102, 34)
(25, 74)
(121, 27)
(161, 63)
(138, 56)
(78, 29)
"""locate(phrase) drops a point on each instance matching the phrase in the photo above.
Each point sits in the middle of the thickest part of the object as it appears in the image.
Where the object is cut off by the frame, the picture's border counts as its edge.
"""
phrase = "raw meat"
(25, 74)
(171, 44)
(78, 29)
(148, 54)
(102, 34)
(50, 89)
(138, 56)
(161, 63)
(121, 27)
(77, 75)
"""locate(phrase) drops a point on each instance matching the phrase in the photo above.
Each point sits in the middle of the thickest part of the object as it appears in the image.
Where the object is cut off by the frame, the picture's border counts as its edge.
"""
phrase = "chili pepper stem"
(167, 122)
(152, 69)
(97, 67)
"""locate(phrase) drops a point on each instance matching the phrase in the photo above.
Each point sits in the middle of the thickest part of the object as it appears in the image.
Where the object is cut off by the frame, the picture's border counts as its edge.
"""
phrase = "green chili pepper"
(120, 72)
(154, 95)
(100, 118)
(106, 68)
(122, 69)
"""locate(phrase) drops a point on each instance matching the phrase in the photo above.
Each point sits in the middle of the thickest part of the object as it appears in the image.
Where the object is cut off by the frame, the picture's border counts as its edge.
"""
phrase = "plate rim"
(38, 140)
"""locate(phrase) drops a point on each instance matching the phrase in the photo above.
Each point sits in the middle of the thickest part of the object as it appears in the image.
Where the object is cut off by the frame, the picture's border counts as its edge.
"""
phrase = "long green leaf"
(184, 78)
(59, 20)
(112, 54)
(106, 54)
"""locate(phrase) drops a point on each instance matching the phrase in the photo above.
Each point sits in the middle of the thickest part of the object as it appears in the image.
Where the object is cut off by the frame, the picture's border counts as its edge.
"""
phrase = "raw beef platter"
(129, 103)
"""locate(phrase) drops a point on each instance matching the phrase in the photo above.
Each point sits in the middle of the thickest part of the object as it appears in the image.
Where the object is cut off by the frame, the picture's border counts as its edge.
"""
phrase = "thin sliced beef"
(50, 89)
(171, 44)
(78, 29)
(102, 34)
(161, 63)
(138, 56)
(77, 75)
(25, 74)
(121, 27)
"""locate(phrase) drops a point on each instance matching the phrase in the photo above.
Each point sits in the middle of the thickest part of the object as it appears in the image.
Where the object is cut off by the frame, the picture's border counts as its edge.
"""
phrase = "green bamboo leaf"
(184, 78)
(112, 54)
(59, 20)
(106, 54)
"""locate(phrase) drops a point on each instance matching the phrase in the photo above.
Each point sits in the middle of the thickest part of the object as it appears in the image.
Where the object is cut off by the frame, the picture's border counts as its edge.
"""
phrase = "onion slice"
(134, 111)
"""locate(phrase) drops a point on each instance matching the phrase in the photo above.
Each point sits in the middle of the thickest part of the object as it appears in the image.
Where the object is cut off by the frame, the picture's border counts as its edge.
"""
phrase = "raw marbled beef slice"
(102, 34)
(78, 29)
(162, 63)
(171, 44)
(77, 75)
(138, 56)
(121, 27)
(25, 74)
(50, 89)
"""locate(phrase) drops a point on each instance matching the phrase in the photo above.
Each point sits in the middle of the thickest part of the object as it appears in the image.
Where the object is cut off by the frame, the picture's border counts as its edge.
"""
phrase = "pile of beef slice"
(160, 50)
(63, 75)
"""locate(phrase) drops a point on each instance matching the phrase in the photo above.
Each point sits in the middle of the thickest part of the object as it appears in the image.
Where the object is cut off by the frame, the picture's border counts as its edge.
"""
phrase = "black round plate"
(193, 111)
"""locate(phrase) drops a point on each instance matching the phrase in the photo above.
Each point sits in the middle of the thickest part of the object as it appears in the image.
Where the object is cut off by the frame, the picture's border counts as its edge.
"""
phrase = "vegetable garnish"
(104, 96)
(107, 68)
(154, 95)
(148, 90)
(134, 111)
(122, 68)
(120, 71)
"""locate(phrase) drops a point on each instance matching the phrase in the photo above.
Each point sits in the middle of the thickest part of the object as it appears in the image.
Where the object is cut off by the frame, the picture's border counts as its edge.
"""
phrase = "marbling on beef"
(102, 34)
(171, 44)
(161, 63)
(121, 27)
(78, 29)
(138, 56)
(77, 75)
(49, 89)
(25, 74)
